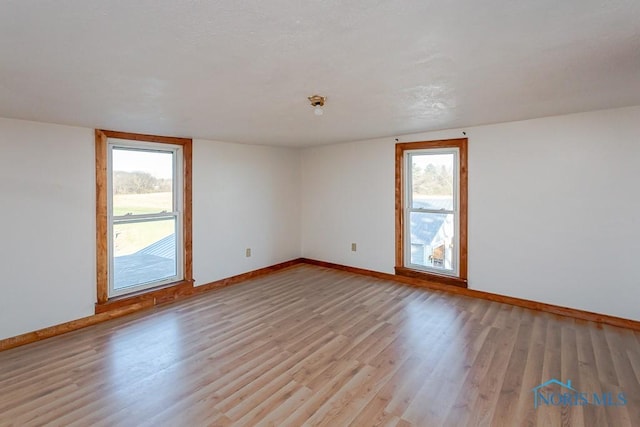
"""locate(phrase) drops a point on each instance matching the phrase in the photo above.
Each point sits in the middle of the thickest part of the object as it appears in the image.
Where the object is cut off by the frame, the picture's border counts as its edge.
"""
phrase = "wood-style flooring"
(313, 346)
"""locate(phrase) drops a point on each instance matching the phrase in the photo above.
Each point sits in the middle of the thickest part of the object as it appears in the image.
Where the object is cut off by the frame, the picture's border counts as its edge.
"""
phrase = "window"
(143, 213)
(431, 210)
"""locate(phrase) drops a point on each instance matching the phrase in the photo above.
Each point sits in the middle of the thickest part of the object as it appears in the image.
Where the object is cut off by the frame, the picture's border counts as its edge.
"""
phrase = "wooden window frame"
(104, 303)
(400, 269)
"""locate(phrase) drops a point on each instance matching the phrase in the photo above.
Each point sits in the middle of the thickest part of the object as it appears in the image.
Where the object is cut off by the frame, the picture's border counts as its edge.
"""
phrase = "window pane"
(144, 252)
(142, 181)
(432, 240)
(432, 179)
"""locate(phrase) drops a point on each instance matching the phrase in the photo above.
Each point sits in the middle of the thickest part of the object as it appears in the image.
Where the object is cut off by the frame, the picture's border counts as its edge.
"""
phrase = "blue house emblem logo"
(537, 390)
(564, 394)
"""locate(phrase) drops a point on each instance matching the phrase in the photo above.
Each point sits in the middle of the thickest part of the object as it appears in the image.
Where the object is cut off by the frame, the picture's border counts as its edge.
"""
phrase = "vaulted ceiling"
(241, 70)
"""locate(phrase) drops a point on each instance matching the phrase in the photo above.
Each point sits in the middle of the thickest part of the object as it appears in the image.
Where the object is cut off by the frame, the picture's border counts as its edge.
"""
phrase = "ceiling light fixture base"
(317, 102)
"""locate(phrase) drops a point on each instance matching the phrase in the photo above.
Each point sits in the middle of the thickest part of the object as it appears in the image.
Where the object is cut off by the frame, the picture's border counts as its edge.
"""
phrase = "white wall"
(47, 212)
(348, 197)
(554, 208)
(243, 196)
(553, 212)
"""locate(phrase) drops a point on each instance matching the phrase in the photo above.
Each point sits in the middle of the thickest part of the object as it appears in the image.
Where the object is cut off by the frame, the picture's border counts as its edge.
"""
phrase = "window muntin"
(144, 215)
(432, 210)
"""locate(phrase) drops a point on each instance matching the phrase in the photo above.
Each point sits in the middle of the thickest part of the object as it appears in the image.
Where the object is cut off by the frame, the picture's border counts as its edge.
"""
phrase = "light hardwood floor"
(313, 346)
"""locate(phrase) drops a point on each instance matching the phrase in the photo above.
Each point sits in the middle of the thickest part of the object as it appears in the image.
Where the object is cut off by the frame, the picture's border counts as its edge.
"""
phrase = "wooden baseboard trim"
(520, 302)
(153, 297)
(430, 277)
(148, 303)
(119, 308)
(223, 283)
(73, 325)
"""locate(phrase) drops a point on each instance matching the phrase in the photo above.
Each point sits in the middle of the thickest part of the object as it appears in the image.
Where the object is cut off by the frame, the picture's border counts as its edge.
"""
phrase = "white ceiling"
(241, 70)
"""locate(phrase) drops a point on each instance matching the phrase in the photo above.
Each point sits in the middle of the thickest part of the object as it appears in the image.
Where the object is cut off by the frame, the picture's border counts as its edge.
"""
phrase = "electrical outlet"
(353, 247)
(248, 252)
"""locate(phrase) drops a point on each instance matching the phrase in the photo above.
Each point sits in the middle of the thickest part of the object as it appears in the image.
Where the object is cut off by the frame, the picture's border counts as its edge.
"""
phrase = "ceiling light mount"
(317, 102)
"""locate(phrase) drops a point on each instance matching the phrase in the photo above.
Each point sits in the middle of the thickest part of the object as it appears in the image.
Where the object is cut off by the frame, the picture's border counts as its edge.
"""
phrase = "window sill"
(148, 297)
(431, 277)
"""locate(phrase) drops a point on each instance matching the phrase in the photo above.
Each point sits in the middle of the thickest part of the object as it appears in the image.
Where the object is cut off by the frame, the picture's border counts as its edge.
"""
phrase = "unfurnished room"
(319, 213)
